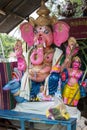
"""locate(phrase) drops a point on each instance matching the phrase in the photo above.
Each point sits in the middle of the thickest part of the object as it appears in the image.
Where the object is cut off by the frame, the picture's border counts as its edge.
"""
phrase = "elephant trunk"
(37, 56)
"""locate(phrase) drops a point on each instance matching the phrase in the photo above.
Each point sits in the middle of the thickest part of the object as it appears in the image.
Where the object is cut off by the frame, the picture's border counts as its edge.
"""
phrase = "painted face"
(76, 64)
(43, 35)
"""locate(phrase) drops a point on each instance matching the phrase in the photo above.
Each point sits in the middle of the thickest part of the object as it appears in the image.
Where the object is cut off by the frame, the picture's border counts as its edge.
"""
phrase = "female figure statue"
(71, 92)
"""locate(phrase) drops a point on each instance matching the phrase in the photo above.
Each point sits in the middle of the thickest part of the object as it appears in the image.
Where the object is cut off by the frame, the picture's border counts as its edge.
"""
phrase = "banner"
(78, 27)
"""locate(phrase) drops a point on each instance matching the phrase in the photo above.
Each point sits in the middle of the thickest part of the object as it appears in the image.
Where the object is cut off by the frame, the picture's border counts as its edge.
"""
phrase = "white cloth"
(34, 107)
(58, 53)
(41, 107)
(25, 82)
(25, 86)
(74, 112)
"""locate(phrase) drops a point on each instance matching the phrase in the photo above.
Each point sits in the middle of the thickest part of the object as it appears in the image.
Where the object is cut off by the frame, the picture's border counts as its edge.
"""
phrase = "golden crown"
(76, 58)
(44, 18)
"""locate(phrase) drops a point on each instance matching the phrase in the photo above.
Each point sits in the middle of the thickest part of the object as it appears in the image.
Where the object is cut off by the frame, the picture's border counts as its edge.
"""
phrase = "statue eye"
(35, 31)
(46, 31)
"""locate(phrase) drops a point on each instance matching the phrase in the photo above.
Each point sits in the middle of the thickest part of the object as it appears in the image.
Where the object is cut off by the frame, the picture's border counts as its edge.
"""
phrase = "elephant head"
(32, 35)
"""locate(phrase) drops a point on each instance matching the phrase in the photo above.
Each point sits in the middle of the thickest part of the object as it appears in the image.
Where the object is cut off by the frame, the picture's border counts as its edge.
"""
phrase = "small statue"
(71, 50)
(71, 92)
(20, 58)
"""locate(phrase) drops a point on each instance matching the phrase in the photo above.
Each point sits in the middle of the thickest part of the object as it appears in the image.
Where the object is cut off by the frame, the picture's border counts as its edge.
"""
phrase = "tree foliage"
(7, 44)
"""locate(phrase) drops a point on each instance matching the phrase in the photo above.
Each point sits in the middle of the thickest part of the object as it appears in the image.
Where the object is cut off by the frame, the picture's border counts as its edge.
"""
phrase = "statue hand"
(84, 84)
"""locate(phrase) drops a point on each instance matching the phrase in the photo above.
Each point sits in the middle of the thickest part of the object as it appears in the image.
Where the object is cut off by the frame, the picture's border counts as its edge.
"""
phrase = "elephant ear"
(27, 33)
(60, 32)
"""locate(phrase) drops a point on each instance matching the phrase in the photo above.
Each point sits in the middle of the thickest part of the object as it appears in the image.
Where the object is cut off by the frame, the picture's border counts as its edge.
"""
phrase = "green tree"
(8, 43)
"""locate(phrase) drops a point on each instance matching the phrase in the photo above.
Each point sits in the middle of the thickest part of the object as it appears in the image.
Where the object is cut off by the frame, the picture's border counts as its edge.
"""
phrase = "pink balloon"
(27, 33)
(60, 33)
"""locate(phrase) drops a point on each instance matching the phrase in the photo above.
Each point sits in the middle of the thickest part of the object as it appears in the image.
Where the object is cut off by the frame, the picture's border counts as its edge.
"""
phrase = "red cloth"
(6, 99)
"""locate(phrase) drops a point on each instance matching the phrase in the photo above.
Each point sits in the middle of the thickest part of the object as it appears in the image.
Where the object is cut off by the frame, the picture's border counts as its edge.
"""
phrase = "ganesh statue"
(41, 75)
(44, 36)
(41, 67)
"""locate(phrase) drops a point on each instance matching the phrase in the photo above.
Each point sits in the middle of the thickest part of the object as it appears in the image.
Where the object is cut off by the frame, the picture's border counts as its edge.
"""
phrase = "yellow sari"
(69, 92)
